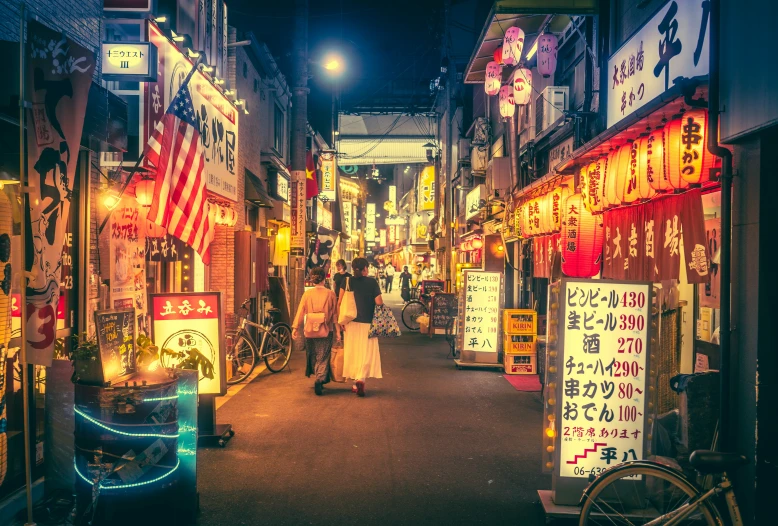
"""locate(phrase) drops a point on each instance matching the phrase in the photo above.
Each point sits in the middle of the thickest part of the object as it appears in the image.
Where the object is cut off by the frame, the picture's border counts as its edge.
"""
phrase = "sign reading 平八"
(481, 320)
(603, 378)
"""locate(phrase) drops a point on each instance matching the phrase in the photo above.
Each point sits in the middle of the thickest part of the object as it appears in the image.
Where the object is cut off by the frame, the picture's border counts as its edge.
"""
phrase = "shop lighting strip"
(161, 398)
(112, 430)
(125, 486)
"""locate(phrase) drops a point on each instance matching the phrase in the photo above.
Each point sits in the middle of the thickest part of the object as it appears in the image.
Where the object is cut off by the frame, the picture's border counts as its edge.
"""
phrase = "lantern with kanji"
(581, 239)
(493, 78)
(548, 44)
(558, 196)
(512, 46)
(153, 230)
(611, 178)
(645, 168)
(656, 172)
(583, 184)
(688, 159)
(546, 222)
(144, 191)
(626, 174)
(507, 108)
(595, 179)
(522, 86)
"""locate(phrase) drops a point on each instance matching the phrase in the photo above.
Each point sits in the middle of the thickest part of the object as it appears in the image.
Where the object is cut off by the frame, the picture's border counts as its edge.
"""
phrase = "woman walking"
(361, 358)
(405, 284)
(318, 313)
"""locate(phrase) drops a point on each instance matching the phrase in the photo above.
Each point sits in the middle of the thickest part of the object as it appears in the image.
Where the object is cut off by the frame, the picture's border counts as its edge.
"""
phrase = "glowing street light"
(333, 64)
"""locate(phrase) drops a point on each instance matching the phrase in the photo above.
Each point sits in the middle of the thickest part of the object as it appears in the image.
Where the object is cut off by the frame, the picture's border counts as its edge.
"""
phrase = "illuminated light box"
(129, 61)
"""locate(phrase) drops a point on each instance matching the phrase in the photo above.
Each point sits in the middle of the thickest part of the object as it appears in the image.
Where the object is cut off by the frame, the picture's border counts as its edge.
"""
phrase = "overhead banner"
(370, 231)
(329, 176)
(59, 73)
(602, 392)
(217, 118)
(426, 190)
(674, 43)
(320, 250)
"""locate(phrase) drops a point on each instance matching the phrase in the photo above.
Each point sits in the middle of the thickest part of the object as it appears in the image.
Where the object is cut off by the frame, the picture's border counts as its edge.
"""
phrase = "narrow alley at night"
(445, 262)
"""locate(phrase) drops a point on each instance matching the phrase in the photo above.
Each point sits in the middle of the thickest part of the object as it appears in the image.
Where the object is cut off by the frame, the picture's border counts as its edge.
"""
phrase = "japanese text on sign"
(481, 328)
(603, 376)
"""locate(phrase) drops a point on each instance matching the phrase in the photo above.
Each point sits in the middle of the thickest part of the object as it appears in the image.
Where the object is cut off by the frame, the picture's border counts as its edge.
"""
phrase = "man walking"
(389, 274)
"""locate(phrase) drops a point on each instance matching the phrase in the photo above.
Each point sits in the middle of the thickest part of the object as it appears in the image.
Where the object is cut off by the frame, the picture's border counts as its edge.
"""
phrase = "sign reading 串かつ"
(674, 43)
(188, 329)
(481, 323)
(603, 375)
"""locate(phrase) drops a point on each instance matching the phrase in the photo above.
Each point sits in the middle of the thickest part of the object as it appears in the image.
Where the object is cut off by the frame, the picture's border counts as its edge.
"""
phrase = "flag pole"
(143, 154)
(27, 369)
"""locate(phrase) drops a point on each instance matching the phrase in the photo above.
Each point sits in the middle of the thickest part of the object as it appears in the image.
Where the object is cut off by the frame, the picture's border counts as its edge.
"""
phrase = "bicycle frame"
(247, 334)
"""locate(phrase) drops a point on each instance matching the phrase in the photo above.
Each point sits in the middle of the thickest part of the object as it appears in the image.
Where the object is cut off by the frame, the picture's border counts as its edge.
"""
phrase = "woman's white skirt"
(361, 358)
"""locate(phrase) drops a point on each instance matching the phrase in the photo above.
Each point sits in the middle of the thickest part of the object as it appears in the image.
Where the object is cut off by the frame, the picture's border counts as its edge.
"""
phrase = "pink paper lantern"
(522, 86)
(548, 45)
(512, 46)
(493, 78)
(507, 108)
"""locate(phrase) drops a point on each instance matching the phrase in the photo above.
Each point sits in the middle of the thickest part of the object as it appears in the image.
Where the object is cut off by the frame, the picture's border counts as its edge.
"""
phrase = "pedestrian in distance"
(389, 276)
(318, 314)
(405, 284)
(361, 358)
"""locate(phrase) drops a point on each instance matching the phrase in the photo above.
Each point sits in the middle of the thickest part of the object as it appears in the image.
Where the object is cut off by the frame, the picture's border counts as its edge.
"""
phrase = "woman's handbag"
(314, 325)
(348, 307)
(384, 325)
(336, 364)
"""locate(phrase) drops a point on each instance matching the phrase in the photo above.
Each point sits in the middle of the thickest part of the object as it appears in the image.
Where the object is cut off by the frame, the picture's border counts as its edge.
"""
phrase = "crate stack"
(520, 336)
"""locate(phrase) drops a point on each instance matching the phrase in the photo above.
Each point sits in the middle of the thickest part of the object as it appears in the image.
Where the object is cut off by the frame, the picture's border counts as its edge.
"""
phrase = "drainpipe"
(726, 222)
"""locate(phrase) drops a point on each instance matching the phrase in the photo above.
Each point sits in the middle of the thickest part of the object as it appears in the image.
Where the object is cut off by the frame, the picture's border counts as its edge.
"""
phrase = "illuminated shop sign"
(129, 61)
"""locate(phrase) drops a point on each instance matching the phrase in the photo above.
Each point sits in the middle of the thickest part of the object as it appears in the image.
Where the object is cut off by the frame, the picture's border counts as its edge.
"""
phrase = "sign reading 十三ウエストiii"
(603, 379)
(129, 61)
(59, 73)
(672, 44)
(217, 118)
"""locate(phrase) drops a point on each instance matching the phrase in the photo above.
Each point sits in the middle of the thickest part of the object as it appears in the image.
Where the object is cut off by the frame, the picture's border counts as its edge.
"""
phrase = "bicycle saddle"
(714, 462)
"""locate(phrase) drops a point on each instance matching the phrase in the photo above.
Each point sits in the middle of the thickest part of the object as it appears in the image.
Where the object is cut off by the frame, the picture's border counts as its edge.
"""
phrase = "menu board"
(115, 331)
(481, 317)
(444, 308)
(428, 286)
(603, 375)
(188, 329)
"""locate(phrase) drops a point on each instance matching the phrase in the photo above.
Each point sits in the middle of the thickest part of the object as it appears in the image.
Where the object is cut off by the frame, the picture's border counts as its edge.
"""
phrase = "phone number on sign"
(578, 470)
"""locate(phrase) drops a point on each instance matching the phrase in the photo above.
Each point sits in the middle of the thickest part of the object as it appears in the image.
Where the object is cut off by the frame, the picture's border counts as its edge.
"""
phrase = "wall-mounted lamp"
(192, 53)
(218, 81)
(176, 37)
(240, 102)
(207, 69)
(111, 199)
(160, 19)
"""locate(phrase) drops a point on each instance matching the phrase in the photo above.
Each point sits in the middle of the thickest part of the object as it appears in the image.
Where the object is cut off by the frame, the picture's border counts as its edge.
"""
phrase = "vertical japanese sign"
(382, 237)
(426, 190)
(188, 327)
(127, 257)
(59, 73)
(370, 232)
(672, 44)
(602, 392)
(348, 217)
(329, 175)
(709, 294)
(298, 215)
(482, 303)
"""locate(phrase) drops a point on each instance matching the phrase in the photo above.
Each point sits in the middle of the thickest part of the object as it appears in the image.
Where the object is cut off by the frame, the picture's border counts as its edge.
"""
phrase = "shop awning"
(256, 193)
(273, 160)
(532, 16)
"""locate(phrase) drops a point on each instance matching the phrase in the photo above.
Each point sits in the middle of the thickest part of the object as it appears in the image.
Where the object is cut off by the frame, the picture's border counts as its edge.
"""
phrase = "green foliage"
(191, 359)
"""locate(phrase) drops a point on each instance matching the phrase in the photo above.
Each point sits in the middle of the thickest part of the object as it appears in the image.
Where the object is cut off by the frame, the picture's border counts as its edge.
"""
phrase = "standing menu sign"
(444, 308)
(479, 325)
(115, 331)
(189, 326)
(603, 379)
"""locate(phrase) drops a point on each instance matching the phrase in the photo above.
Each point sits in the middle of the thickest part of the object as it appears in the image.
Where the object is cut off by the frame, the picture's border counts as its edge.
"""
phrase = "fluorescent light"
(533, 50)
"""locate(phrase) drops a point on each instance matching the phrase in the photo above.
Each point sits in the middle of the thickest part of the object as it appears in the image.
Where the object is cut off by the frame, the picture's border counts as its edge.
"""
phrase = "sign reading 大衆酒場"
(603, 379)
(672, 44)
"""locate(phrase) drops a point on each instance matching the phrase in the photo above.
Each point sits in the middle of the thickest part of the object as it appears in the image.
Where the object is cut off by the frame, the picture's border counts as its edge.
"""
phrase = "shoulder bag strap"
(348, 285)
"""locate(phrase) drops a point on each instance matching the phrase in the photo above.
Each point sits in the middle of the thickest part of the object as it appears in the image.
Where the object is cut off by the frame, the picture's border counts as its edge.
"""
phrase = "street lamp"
(334, 66)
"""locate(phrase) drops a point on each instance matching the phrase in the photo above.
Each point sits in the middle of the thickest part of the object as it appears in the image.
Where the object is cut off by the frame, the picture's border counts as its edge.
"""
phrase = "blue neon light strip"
(125, 486)
(161, 398)
(124, 433)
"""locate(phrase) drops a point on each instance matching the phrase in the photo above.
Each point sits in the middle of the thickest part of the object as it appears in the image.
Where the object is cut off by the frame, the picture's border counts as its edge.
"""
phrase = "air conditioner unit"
(498, 175)
(464, 149)
(549, 106)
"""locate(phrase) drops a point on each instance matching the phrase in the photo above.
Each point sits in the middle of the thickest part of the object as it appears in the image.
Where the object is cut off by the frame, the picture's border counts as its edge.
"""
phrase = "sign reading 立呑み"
(481, 317)
(603, 379)
(672, 44)
(329, 171)
(188, 328)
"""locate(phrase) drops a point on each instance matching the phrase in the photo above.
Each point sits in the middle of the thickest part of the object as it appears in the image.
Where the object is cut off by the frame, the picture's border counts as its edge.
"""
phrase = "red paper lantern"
(477, 242)
(144, 191)
(522, 86)
(548, 44)
(498, 55)
(493, 78)
(688, 159)
(581, 239)
(645, 168)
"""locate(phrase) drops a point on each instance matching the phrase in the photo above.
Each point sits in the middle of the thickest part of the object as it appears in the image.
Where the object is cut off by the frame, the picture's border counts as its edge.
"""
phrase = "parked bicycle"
(275, 348)
(648, 493)
(413, 309)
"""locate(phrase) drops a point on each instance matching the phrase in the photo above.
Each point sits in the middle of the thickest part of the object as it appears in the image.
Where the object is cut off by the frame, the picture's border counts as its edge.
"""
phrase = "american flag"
(179, 202)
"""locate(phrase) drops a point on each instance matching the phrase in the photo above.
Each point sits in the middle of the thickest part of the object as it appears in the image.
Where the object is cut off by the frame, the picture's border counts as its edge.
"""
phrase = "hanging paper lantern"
(545, 214)
(154, 230)
(583, 184)
(558, 197)
(645, 170)
(595, 181)
(507, 108)
(626, 178)
(655, 161)
(498, 55)
(688, 159)
(581, 239)
(612, 178)
(493, 78)
(522, 86)
(144, 191)
(512, 46)
(548, 44)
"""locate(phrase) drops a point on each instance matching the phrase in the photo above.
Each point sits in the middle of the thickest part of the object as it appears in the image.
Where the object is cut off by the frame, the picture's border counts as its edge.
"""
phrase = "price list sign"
(481, 316)
(602, 390)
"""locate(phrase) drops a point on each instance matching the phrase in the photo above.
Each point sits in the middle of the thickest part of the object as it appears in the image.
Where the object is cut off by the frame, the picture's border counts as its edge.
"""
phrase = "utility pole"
(298, 143)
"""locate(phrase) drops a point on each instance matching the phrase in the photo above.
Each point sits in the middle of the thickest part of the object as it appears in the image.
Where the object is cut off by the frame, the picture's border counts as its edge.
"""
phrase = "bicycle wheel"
(242, 355)
(277, 348)
(411, 313)
(634, 495)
